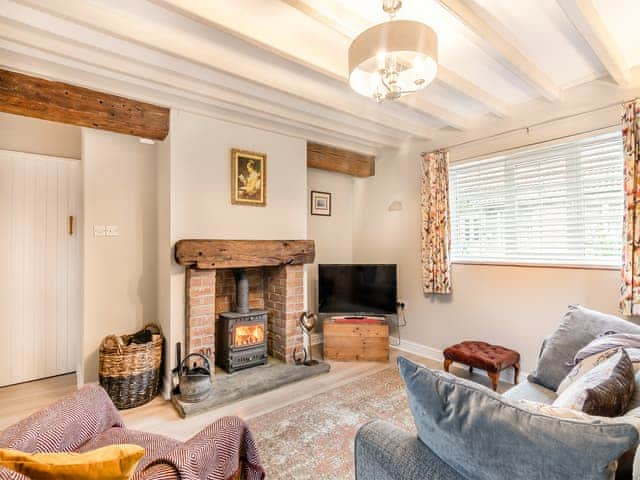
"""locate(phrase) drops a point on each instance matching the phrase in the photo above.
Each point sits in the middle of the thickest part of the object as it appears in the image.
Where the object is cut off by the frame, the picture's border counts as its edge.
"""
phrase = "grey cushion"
(579, 327)
(530, 391)
(485, 437)
(628, 341)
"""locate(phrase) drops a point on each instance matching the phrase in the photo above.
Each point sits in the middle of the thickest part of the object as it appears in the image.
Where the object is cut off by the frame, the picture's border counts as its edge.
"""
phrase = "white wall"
(200, 196)
(201, 174)
(515, 306)
(165, 251)
(32, 135)
(333, 235)
(120, 273)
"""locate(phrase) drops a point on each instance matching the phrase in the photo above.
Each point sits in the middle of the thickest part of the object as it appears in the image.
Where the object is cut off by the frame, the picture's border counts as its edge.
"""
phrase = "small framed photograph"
(321, 203)
(248, 178)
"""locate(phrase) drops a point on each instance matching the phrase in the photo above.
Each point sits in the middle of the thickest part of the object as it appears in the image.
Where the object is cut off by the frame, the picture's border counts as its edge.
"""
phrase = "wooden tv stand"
(348, 338)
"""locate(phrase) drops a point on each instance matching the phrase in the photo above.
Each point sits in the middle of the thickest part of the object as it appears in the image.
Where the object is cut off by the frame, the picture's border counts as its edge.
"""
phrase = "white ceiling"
(282, 64)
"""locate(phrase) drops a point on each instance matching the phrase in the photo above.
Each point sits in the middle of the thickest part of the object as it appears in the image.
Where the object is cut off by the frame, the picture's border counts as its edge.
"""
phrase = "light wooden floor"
(158, 416)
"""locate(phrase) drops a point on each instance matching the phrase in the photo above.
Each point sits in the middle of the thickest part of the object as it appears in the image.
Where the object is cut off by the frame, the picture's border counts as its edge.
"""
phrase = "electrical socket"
(112, 231)
(99, 231)
(402, 304)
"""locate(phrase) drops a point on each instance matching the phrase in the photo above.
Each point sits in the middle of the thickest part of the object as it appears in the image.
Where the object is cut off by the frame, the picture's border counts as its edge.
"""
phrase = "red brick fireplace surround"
(276, 284)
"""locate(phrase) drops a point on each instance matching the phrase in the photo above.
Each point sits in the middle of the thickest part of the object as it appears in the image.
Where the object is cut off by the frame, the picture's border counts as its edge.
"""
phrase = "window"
(559, 205)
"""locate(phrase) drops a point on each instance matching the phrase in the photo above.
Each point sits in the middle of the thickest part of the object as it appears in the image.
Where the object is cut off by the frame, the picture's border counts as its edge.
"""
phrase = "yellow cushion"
(115, 462)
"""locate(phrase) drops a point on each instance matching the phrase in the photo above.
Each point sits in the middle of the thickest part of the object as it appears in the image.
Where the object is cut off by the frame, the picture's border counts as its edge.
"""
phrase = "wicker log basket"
(131, 373)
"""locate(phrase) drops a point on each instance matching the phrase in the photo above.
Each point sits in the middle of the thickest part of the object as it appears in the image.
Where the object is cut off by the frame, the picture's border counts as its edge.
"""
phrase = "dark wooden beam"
(210, 254)
(60, 102)
(335, 159)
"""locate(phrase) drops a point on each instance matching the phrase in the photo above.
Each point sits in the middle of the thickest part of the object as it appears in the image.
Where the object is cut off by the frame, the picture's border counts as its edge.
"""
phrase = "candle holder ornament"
(307, 321)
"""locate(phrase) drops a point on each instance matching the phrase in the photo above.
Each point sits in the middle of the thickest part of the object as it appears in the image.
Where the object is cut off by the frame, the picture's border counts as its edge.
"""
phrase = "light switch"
(112, 231)
(98, 231)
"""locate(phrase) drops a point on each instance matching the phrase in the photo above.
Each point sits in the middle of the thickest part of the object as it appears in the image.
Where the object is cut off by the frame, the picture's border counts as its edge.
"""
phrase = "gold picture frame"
(248, 178)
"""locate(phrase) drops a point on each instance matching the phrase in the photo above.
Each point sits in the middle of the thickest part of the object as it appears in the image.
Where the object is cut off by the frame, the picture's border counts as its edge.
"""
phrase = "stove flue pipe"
(242, 290)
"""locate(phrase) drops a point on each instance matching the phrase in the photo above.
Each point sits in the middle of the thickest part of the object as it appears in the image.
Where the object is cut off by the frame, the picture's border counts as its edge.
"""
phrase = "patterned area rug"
(313, 439)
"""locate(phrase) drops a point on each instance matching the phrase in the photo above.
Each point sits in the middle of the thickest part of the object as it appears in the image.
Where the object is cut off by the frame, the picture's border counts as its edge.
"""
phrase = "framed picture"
(321, 203)
(248, 178)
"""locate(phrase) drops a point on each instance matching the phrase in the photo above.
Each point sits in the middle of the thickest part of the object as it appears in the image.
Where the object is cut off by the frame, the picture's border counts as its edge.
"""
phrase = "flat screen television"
(357, 289)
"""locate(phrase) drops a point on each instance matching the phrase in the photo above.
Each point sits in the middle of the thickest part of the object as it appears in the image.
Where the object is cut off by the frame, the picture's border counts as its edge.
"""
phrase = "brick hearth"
(280, 290)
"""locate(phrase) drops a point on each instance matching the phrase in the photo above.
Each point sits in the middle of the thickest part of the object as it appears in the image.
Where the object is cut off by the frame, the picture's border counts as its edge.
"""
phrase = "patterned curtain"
(436, 237)
(630, 300)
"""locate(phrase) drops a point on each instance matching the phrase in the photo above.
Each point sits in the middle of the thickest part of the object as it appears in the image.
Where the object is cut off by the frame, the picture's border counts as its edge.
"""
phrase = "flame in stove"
(248, 335)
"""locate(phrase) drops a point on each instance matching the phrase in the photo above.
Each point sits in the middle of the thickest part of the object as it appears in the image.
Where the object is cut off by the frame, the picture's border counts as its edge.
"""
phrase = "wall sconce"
(395, 206)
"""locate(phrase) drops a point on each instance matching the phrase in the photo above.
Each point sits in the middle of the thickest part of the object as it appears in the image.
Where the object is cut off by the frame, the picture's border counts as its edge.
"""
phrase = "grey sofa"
(386, 452)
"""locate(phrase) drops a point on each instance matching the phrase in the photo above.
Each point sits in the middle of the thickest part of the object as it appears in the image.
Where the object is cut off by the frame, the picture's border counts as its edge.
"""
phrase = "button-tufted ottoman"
(482, 355)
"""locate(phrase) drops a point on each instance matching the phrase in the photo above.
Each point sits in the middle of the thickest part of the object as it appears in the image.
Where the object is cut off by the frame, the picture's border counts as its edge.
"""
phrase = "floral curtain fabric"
(436, 236)
(630, 300)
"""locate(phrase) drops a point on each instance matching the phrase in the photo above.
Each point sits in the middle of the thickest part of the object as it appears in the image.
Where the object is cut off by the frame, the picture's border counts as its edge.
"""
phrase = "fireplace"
(241, 335)
(275, 271)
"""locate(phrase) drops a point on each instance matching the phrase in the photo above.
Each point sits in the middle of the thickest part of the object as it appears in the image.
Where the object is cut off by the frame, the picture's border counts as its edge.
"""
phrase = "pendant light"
(393, 59)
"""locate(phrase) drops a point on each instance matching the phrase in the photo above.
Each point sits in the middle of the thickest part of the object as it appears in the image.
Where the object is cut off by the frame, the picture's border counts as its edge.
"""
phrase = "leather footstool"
(482, 355)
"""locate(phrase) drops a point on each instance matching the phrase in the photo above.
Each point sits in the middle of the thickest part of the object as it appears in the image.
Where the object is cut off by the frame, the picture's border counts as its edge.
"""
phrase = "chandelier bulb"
(391, 7)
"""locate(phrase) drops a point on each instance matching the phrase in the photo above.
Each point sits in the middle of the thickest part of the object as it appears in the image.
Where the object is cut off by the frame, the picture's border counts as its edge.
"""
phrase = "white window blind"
(559, 205)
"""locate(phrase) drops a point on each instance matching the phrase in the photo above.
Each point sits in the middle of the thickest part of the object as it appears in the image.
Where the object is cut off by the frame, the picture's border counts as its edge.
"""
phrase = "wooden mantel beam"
(61, 102)
(338, 160)
(213, 254)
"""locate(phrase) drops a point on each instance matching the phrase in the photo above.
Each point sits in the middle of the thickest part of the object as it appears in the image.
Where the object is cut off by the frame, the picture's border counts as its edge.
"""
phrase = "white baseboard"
(435, 354)
(416, 348)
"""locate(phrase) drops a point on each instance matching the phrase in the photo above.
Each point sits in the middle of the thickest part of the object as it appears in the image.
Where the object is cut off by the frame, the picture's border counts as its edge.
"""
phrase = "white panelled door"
(39, 266)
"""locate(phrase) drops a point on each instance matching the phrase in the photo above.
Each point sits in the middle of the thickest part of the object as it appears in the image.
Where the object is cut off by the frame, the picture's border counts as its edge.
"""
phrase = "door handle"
(71, 221)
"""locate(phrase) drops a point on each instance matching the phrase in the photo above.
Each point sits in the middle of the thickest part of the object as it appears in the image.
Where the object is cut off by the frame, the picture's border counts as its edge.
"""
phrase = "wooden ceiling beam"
(338, 160)
(420, 104)
(585, 18)
(460, 84)
(344, 22)
(61, 102)
(482, 25)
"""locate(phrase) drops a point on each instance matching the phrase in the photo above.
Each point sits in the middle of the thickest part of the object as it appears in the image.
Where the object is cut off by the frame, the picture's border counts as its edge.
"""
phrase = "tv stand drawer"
(356, 341)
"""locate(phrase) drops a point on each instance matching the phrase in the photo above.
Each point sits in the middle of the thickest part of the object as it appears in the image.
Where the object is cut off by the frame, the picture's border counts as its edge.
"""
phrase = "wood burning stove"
(241, 335)
(242, 341)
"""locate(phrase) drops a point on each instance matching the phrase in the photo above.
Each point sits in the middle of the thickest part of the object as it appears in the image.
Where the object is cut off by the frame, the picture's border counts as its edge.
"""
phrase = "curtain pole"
(535, 125)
